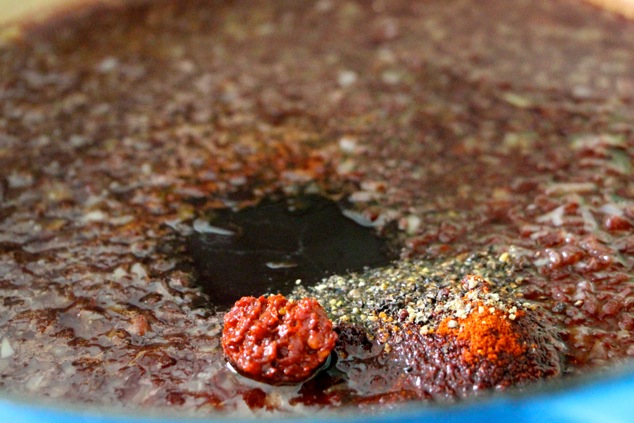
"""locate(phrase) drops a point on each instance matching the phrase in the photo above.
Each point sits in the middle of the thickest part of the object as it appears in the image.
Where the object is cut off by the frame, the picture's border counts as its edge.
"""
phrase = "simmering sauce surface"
(488, 139)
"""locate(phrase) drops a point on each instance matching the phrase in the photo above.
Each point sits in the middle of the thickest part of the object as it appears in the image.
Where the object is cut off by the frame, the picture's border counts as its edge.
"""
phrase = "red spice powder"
(487, 334)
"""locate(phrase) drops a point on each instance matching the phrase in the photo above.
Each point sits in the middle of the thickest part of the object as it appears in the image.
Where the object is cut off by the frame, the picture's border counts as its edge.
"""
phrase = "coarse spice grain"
(418, 291)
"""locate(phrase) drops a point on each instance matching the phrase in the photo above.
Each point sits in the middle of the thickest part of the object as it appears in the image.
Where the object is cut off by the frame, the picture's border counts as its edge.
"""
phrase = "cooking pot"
(598, 397)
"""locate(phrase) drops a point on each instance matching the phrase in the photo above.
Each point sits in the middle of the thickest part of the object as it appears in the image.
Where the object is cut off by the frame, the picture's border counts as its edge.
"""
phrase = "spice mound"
(277, 341)
(440, 334)
(501, 344)
(445, 365)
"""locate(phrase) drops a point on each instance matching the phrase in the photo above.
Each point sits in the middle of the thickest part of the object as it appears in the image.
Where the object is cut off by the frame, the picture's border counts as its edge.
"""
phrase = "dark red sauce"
(497, 136)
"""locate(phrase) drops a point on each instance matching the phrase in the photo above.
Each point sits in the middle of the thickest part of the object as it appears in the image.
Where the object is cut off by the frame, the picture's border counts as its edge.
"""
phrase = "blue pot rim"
(598, 397)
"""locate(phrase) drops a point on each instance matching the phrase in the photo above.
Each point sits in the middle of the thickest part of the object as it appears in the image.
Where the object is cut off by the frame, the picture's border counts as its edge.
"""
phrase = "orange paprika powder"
(487, 333)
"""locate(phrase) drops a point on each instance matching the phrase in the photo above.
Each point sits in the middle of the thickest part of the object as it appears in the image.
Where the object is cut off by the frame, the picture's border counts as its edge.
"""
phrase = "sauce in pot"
(496, 136)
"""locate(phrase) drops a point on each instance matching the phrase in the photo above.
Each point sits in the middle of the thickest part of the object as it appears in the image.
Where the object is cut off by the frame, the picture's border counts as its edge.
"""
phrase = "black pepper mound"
(273, 340)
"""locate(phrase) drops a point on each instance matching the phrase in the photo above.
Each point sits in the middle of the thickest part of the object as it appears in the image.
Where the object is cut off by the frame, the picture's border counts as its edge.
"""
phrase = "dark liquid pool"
(272, 246)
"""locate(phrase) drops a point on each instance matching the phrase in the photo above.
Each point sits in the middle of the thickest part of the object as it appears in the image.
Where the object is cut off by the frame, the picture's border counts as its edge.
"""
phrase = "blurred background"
(13, 10)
